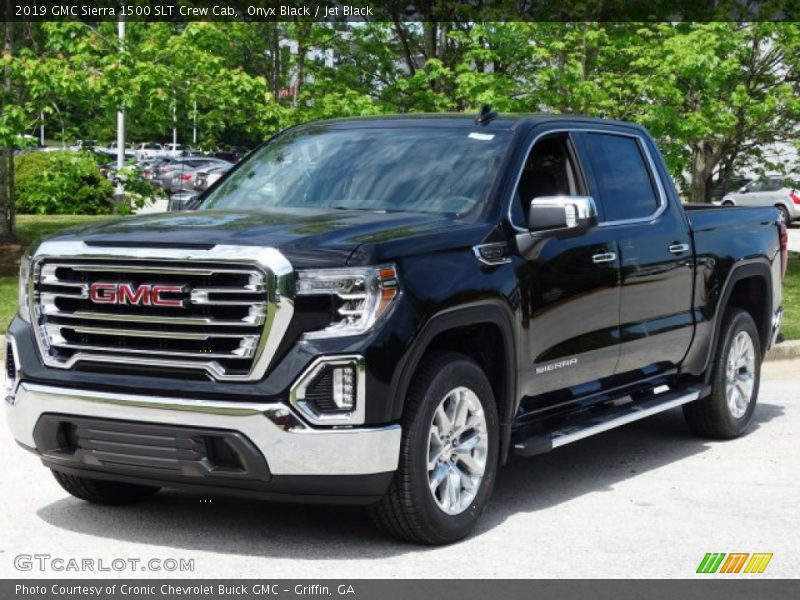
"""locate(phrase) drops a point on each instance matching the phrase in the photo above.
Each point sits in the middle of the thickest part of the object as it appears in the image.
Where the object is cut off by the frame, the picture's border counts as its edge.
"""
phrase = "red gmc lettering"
(157, 300)
(126, 295)
(144, 295)
(103, 293)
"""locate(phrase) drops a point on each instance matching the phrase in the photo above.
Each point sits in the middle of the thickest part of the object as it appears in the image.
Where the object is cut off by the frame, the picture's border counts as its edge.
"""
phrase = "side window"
(549, 171)
(756, 186)
(773, 185)
(624, 183)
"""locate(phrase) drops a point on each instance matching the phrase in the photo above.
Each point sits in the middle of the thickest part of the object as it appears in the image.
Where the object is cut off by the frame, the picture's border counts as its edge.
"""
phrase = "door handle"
(604, 257)
(679, 248)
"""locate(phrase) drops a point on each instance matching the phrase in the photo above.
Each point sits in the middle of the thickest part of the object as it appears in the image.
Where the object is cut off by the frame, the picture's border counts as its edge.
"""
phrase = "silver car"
(179, 174)
(768, 191)
(207, 177)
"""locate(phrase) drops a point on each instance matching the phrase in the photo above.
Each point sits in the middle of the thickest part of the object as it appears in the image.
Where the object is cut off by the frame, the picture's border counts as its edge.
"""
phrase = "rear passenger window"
(624, 184)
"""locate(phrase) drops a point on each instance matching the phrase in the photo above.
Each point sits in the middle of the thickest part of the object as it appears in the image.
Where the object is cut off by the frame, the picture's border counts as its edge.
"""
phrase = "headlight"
(362, 295)
(24, 280)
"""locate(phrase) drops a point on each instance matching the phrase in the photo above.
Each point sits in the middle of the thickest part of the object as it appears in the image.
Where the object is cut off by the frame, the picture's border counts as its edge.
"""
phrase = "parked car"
(148, 150)
(149, 167)
(205, 178)
(85, 145)
(382, 311)
(769, 191)
(721, 188)
(173, 150)
(183, 200)
(232, 156)
(179, 174)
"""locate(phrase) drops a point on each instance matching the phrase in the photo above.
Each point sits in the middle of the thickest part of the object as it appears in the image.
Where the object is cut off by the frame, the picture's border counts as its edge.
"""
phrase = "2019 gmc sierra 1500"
(381, 310)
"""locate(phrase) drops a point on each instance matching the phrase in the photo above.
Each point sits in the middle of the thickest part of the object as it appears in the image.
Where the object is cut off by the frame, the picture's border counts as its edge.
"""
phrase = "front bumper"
(288, 450)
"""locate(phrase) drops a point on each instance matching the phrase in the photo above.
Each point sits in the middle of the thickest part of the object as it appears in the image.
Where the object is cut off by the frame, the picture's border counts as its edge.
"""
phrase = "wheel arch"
(462, 329)
(742, 289)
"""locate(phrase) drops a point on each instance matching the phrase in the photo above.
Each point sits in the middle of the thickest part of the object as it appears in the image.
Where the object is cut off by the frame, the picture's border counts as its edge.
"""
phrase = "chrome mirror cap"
(554, 213)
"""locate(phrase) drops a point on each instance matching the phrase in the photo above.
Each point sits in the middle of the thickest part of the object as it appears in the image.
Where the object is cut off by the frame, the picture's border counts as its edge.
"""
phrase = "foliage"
(715, 94)
(30, 228)
(61, 182)
(8, 300)
(138, 190)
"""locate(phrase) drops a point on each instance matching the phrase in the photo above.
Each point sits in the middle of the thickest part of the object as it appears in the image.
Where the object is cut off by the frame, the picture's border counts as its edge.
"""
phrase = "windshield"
(432, 170)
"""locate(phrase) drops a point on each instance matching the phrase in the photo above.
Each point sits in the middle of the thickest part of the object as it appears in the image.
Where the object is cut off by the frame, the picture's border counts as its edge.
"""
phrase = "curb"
(788, 350)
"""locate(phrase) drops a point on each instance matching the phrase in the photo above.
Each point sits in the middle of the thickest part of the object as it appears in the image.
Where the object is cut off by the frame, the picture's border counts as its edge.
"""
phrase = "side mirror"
(743, 189)
(556, 213)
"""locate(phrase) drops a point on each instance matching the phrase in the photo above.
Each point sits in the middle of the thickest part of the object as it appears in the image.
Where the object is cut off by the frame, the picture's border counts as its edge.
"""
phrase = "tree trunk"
(7, 225)
(303, 31)
(703, 164)
(429, 38)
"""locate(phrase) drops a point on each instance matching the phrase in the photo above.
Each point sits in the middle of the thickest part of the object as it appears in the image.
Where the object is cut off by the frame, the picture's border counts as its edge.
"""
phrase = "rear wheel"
(783, 215)
(99, 491)
(448, 455)
(727, 412)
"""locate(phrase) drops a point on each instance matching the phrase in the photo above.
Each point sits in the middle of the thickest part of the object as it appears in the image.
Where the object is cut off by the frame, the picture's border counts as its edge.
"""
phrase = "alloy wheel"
(740, 374)
(457, 450)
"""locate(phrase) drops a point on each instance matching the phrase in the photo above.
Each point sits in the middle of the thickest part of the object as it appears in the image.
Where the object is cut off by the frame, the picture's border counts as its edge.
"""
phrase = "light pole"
(120, 120)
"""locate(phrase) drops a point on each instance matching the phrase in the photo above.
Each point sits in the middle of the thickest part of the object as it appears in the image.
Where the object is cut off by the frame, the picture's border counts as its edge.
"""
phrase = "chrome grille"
(228, 320)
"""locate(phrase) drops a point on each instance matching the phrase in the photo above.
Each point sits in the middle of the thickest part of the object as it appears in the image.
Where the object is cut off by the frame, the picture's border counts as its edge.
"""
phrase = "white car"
(768, 191)
(148, 150)
(173, 150)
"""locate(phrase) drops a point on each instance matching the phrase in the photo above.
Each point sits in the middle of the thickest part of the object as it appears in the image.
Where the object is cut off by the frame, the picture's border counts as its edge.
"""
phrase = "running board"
(609, 418)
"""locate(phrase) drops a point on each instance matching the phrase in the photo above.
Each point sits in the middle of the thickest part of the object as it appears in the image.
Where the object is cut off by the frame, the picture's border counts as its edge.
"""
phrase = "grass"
(29, 228)
(791, 299)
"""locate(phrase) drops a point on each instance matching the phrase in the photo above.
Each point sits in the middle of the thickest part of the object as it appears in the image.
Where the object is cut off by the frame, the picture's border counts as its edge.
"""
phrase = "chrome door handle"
(679, 248)
(604, 257)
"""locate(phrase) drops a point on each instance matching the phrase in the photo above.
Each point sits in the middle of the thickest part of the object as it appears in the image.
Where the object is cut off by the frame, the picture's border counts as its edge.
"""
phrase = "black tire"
(712, 416)
(408, 511)
(784, 215)
(728, 203)
(99, 491)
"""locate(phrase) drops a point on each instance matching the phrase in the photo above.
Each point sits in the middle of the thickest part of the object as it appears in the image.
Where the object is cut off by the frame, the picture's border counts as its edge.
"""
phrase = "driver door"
(569, 283)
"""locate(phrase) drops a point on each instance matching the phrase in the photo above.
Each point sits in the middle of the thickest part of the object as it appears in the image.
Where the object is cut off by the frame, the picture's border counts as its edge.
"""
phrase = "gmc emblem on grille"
(143, 295)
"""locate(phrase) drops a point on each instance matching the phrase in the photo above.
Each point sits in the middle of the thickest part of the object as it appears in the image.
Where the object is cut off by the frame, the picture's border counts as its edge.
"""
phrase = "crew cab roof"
(503, 121)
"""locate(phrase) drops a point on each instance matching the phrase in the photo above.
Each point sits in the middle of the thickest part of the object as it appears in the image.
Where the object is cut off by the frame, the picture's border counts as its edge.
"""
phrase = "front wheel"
(448, 455)
(727, 411)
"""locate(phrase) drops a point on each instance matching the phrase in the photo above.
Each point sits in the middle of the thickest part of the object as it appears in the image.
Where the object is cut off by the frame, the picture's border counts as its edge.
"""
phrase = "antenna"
(486, 116)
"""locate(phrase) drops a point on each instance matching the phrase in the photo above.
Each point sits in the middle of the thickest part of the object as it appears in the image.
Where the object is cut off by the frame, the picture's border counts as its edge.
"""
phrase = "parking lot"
(648, 499)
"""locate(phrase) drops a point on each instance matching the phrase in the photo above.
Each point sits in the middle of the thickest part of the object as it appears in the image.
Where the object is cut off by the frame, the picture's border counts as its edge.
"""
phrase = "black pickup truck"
(381, 311)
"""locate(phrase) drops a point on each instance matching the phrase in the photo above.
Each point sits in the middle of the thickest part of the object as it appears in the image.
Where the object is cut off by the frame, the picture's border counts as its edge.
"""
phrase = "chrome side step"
(604, 419)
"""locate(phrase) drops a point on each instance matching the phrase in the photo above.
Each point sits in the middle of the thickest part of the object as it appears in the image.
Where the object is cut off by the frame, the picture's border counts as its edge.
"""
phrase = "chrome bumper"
(354, 451)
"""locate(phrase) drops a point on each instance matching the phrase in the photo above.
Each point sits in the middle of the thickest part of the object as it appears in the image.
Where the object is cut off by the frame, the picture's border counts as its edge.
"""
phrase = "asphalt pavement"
(646, 500)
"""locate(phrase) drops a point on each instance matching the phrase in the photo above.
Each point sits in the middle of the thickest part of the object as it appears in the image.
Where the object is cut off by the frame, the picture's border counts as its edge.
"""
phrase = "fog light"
(331, 391)
(344, 387)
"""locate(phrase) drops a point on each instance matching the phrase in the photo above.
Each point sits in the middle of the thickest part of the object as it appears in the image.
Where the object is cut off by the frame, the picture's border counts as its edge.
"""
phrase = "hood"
(308, 238)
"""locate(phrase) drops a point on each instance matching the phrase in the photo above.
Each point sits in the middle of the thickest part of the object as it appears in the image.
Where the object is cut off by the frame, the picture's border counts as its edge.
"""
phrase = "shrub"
(61, 182)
